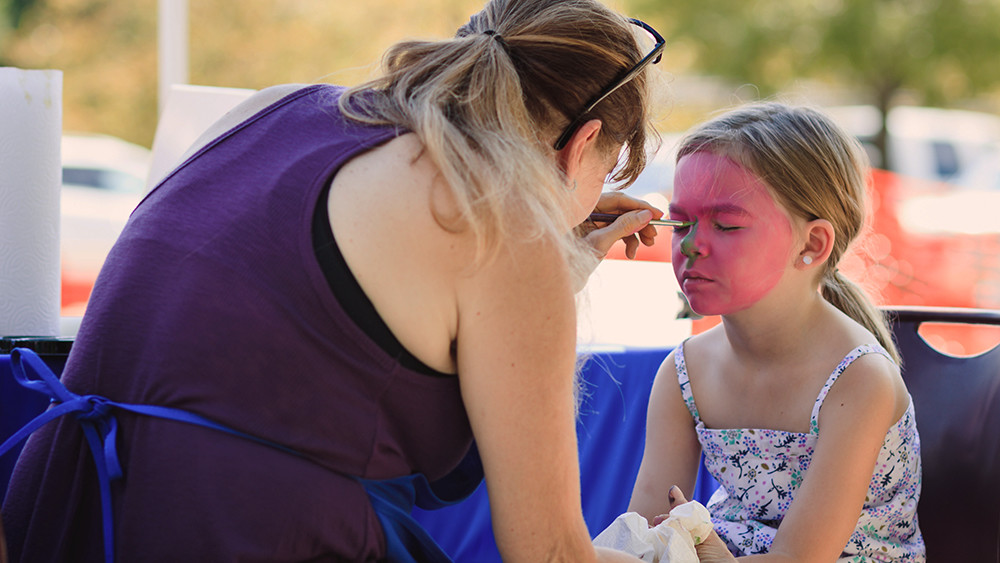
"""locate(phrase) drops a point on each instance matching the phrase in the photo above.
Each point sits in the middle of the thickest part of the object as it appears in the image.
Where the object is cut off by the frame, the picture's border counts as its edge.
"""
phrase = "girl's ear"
(819, 239)
(571, 156)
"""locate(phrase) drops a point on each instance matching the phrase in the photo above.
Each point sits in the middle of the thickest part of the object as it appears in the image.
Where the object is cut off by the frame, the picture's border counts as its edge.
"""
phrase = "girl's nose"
(690, 247)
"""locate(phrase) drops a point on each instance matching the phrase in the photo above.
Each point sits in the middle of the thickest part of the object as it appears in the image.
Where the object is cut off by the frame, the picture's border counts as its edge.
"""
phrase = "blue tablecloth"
(17, 404)
(610, 430)
(611, 433)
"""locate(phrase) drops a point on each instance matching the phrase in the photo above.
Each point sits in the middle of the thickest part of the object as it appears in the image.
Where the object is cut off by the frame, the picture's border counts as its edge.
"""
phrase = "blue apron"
(393, 499)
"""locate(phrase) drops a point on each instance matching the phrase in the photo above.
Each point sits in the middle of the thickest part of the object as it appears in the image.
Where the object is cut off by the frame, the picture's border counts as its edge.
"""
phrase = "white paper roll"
(30, 181)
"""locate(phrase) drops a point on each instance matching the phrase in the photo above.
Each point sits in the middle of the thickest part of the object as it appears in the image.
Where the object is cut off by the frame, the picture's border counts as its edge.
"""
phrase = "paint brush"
(610, 217)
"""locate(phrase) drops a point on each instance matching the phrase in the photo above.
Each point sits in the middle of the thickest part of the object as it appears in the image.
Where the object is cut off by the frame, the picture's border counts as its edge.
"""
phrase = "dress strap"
(682, 378)
(841, 367)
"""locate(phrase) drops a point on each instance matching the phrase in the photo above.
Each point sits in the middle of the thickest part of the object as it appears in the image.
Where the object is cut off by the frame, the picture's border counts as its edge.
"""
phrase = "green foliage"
(938, 48)
(11, 12)
(937, 51)
(944, 50)
(107, 49)
(14, 9)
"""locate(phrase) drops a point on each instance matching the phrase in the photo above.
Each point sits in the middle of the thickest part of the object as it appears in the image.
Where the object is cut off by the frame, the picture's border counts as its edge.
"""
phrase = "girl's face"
(741, 241)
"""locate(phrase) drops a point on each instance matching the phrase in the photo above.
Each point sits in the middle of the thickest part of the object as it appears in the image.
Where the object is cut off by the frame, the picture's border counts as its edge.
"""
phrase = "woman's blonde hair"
(816, 170)
(489, 103)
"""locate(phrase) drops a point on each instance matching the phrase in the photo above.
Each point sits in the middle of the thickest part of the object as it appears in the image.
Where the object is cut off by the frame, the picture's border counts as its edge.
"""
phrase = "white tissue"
(671, 541)
(693, 519)
(30, 180)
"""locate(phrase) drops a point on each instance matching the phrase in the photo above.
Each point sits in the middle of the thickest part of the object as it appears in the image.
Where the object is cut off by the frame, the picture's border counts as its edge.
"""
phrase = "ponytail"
(845, 295)
(488, 104)
(462, 99)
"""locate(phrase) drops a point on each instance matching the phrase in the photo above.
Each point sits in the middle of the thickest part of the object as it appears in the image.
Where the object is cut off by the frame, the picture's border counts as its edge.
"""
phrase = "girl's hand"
(713, 549)
(632, 227)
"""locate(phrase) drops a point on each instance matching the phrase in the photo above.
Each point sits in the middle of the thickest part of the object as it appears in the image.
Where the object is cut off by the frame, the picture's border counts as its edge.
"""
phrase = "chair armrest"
(901, 314)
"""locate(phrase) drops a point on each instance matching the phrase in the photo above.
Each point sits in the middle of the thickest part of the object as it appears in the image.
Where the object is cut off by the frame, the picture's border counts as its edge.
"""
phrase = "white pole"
(173, 46)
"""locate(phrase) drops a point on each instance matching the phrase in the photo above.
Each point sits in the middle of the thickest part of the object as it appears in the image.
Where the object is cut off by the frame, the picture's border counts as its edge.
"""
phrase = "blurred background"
(916, 80)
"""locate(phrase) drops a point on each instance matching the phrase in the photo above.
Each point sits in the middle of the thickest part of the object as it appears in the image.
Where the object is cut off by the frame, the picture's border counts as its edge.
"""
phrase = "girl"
(795, 398)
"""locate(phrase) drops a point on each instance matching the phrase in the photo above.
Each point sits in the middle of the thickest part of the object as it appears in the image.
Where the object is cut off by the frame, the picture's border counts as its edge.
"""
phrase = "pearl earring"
(807, 260)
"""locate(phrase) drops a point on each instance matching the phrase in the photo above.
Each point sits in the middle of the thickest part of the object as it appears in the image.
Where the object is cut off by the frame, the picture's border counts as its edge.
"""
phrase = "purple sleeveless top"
(212, 301)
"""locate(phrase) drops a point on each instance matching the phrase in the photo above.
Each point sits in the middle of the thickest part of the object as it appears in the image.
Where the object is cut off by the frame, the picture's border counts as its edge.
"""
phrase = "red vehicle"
(104, 178)
(929, 243)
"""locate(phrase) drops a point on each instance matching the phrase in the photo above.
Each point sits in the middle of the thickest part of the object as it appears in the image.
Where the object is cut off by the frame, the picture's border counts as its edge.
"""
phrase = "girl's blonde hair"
(817, 171)
(489, 103)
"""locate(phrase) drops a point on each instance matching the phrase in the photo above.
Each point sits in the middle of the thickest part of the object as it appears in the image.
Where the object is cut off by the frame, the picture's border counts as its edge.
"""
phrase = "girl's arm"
(516, 359)
(867, 399)
(672, 452)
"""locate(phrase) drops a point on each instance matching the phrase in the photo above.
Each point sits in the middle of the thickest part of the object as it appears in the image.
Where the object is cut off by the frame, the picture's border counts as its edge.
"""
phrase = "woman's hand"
(632, 227)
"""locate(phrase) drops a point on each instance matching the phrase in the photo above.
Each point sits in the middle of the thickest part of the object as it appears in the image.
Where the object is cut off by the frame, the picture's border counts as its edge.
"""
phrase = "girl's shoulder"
(863, 365)
(866, 370)
(865, 381)
(702, 346)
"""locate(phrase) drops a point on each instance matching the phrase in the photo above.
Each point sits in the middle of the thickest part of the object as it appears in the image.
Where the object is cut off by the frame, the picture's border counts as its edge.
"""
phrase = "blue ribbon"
(392, 499)
(100, 427)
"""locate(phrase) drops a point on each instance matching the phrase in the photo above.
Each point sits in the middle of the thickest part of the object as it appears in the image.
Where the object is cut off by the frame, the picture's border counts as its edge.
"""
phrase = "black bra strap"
(349, 294)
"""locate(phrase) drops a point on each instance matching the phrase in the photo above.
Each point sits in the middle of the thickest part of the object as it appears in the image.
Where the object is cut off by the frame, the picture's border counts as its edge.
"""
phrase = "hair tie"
(833, 276)
(492, 33)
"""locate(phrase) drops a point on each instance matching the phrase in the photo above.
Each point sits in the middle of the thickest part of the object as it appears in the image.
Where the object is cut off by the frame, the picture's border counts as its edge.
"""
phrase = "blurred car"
(104, 179)
(929, 242)
(926, 143)
(982, 174)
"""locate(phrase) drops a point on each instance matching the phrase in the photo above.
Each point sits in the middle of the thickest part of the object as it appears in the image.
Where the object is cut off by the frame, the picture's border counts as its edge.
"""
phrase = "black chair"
(957, 403)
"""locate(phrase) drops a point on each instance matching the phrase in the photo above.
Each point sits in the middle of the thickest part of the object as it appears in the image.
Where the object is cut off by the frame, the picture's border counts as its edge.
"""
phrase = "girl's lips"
(692, 280)
(694, 276)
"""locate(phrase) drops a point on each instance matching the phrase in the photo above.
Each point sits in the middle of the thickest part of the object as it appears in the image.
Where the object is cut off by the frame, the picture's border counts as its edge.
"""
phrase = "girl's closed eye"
(679, 216)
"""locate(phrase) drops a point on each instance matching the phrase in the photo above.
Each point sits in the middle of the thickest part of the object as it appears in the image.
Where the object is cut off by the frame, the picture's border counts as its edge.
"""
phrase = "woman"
(369, 279)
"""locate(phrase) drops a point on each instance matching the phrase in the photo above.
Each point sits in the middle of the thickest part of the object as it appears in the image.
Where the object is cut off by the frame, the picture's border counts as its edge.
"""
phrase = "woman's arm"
(516, 357)
(868, 398)
(672, 451)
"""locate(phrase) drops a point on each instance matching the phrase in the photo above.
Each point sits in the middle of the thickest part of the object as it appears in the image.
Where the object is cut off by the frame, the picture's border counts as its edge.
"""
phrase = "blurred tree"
(107, 49)
(11, 12)
(107, 53)
(14, 9)
(942, 51)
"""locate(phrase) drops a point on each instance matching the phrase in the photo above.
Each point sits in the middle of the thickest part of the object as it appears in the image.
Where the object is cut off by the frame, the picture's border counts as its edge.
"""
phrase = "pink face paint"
(740, 244)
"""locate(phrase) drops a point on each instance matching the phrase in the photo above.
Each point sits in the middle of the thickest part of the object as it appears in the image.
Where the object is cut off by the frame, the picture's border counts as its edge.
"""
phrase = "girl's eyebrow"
(718, 209)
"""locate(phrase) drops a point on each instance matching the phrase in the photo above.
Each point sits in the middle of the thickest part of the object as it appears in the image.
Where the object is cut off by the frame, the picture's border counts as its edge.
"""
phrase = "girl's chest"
(777, 401)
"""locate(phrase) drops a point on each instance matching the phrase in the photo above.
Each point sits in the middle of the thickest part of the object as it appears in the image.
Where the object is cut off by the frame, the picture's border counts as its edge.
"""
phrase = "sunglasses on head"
(652, 57)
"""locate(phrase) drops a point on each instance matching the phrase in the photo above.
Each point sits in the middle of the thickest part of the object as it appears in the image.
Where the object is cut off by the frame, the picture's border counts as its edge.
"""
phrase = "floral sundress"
(759, 471)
